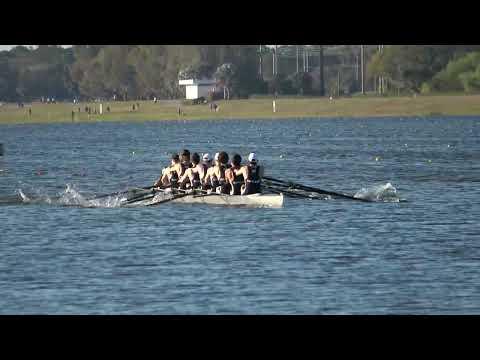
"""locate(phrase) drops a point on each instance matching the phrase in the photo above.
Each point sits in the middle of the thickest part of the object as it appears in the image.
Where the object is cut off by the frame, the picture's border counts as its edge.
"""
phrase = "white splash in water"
(24, 197)
(384, 192)
(72, 197)
(69, 197)
(37, 196)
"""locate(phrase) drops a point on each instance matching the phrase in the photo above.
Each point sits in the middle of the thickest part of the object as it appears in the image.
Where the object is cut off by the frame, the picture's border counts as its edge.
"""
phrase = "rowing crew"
(221, 176)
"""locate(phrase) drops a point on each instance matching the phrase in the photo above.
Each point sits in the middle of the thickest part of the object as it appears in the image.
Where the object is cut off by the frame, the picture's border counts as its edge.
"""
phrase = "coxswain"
(236, 176)
(255, 173)
(193, 177)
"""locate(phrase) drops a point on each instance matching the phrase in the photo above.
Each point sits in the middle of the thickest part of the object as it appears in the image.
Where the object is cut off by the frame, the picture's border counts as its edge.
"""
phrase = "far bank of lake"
(439, 105)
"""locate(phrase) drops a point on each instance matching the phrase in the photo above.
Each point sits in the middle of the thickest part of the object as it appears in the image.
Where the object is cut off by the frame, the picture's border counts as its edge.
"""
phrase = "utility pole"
(261, 63)
(356, 69)
(322, 81)
(304, 63)
(297, 58)
(362, 60)
(338, 83)
(273, 60)
(276, 60)
(382, 79)
(380, 90)
(307, 59)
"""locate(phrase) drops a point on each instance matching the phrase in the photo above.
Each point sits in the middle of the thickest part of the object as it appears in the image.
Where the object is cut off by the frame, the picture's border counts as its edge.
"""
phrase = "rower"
(237, 176)
(210, 181)
(185, 159)
(255, 173)
(207, 161)
(215, 178)
(193, 176)
(170, 174)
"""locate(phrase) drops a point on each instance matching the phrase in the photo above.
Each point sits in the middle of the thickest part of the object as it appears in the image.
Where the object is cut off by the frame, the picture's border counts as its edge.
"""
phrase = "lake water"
(417, 256)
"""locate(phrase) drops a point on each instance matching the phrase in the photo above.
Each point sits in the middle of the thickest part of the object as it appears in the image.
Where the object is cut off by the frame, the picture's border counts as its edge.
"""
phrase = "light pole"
(297, 59)
(322, 81)
(362, 60)
(260, 70)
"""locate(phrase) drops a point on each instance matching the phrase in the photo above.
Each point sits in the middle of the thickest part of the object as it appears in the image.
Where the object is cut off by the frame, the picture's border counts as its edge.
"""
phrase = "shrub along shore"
(418, 106)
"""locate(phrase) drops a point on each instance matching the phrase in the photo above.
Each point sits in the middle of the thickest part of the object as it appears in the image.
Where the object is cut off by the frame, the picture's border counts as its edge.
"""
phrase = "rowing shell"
(254, 200)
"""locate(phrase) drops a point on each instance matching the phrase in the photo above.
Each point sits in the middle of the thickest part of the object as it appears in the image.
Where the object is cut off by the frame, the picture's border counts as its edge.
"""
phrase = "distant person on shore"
(73, 115)
(30, 112)
(108, 108)
(133, 107)
(179, 111)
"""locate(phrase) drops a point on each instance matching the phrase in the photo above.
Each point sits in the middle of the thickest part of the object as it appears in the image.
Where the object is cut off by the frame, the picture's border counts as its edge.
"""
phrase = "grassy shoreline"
(436, 105)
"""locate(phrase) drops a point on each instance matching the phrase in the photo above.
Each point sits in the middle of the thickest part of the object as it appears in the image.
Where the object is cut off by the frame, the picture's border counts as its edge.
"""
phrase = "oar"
(141, 197)
(151, 195)
(312, 189)
(286, 192)
(119, 193)
(291, 194)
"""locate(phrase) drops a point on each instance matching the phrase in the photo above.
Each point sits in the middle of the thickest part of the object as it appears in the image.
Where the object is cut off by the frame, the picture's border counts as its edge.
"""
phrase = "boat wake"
(382, 193)
(68, 197)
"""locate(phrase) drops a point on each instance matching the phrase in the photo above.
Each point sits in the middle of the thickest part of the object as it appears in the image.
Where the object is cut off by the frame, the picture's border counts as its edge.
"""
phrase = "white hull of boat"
(254, 200)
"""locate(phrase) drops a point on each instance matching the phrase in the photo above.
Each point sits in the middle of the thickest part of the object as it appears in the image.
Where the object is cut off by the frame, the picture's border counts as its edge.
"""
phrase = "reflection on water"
(65, 253)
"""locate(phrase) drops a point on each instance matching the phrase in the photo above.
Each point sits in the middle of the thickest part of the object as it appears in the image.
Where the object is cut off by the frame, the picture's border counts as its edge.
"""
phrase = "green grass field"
(251, 108)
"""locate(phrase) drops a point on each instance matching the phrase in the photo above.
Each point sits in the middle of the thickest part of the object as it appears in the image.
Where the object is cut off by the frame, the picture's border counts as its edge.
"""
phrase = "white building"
(197, 88)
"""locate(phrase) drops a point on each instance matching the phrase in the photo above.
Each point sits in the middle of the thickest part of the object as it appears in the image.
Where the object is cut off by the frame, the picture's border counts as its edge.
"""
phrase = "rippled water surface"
(420, 255)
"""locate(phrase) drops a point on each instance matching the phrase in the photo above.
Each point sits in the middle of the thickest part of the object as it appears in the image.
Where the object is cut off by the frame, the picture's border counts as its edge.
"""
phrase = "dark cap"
(195, 158)
(236, 159)
(185, 152)
(223, 157)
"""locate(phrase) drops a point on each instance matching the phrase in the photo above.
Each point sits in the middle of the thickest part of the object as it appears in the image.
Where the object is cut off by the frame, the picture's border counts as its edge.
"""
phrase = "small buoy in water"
(429, 161)
(377, 158)
(448, 145)
(281, 156)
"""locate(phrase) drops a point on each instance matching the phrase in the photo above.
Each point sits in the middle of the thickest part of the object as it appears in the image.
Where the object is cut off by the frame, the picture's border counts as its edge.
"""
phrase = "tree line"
(128, 72)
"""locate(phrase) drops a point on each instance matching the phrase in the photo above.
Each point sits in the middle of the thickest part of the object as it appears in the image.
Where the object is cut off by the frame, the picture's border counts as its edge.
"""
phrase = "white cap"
(216, 156)
(252, 157)
(207, 157)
